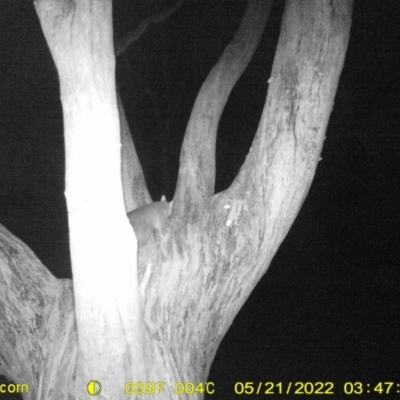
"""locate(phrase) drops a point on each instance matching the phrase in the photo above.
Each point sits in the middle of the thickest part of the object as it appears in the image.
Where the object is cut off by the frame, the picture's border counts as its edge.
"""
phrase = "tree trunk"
(198, 271)
(103, 250)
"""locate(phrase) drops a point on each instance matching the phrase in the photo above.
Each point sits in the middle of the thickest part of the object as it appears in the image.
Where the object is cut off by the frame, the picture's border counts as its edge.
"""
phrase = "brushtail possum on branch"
(146, 218)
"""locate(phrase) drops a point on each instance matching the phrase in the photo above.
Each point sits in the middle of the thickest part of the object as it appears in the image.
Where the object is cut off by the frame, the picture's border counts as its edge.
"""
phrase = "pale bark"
(206, 261)
(196, 179)
(225, 251)
(133, 182)
(103, 246)
(37, 322)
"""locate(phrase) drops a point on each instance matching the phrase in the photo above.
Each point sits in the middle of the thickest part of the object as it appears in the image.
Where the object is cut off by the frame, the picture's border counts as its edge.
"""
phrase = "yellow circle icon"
(94, 388)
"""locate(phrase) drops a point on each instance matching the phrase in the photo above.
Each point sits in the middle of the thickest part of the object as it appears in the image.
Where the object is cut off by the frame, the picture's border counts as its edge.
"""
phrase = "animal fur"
(146, 218)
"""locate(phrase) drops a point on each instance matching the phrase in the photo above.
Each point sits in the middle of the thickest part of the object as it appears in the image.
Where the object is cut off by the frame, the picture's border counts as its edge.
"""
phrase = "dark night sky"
(328, 307)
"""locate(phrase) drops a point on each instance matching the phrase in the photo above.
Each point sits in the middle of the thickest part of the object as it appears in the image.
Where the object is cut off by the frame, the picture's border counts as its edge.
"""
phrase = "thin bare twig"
(135, 34)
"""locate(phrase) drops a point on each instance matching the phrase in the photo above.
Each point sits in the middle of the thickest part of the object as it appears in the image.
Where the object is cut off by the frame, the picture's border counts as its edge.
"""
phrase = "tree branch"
(135, 34)
(229, 247)
(196, 177)
(36, 319)
(133, 181)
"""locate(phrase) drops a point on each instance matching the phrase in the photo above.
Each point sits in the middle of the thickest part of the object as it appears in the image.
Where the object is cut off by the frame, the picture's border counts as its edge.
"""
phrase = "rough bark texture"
(196, 179)
(199, 270)
(211, 264)
(133, 182)
(103, 250)
(38, 330)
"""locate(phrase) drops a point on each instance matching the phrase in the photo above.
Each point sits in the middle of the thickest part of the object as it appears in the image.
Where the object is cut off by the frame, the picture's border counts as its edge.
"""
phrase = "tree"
(161, 310)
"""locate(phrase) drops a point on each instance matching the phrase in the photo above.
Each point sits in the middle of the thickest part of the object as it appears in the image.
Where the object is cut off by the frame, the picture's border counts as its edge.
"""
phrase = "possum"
(146, 218)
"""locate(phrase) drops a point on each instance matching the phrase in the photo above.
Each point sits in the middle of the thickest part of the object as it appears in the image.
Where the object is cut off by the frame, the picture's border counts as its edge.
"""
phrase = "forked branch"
(196, 178)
